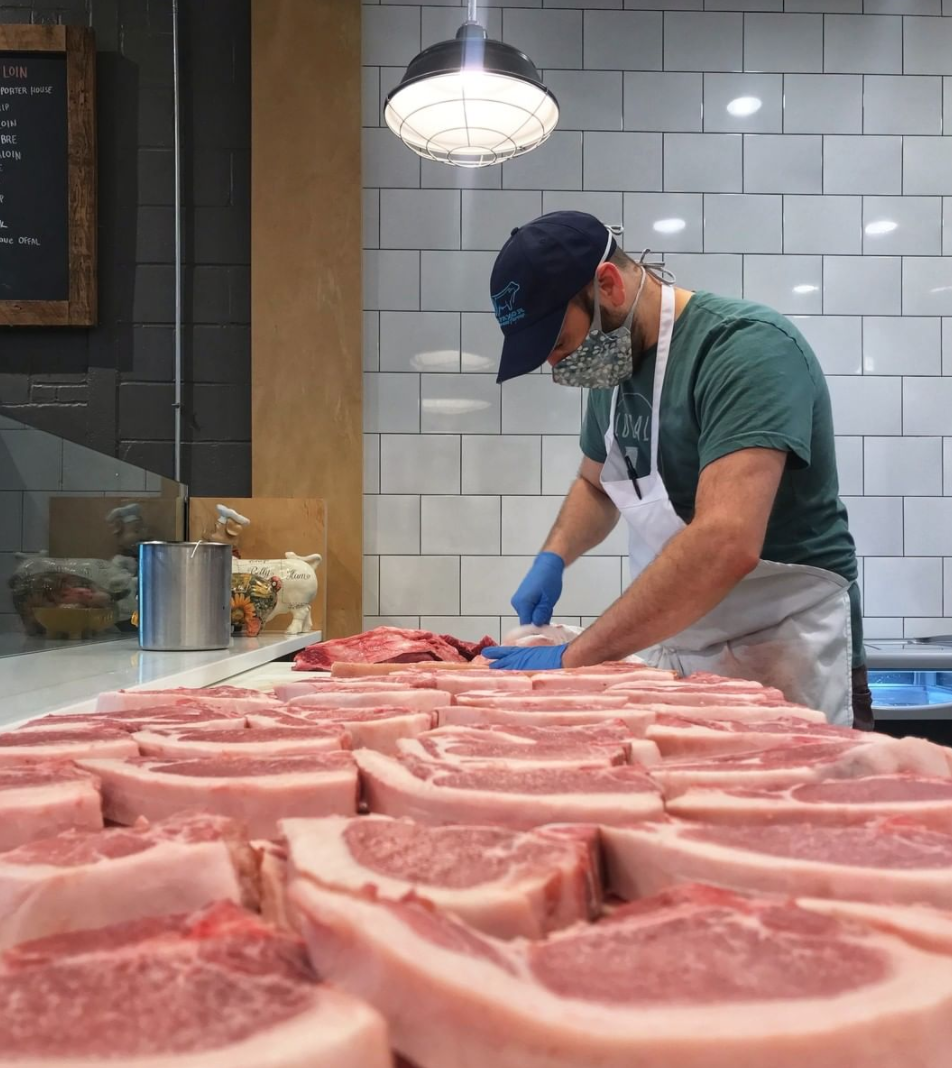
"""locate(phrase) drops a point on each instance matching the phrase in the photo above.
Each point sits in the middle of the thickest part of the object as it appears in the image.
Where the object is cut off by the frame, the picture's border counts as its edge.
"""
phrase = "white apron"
(785, 625)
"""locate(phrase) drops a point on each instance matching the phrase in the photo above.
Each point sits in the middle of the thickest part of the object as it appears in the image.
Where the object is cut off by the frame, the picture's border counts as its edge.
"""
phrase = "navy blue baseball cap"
(542, 266)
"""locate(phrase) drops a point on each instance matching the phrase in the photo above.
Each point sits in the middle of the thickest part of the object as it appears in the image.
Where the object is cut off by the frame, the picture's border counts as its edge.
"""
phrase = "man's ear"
(611, 284)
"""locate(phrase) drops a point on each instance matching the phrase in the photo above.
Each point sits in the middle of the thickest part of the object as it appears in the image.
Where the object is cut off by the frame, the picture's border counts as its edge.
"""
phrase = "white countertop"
(69, 678)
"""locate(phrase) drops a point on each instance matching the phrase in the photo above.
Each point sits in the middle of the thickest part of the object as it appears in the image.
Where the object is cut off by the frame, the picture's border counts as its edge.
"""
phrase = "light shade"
(471, 102)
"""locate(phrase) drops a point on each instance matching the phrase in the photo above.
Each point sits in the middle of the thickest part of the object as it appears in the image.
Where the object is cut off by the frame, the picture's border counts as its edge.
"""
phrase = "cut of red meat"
(420, 699)
(387, 645)
(196, 715)
(265, 741)
(871, 754)
(235, 700)
(344, 670)
(87, 879)
(698, 978)
(890, 861)
(256, 790)
(464, 681)
(503, 882)
(211, 987)
(635, 719)
(369, 728)
(510, 797)
(41, 798)
(606, 743)
(539, 702)
(681, 737)
(22, 745)
(319, 686)
(592, 679)
(835, 801)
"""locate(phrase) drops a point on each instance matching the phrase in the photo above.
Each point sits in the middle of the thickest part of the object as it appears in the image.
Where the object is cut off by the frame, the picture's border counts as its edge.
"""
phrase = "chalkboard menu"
(47, 176)
(34, 187)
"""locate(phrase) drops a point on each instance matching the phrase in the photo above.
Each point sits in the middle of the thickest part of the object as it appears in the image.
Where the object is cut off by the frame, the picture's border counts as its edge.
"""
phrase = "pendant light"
(471, 101)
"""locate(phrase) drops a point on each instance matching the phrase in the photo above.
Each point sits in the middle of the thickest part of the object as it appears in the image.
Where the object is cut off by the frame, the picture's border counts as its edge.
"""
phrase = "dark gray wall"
(110, 387)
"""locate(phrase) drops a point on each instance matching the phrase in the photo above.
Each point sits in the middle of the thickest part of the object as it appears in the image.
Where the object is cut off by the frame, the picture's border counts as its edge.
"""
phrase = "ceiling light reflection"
(669, 226)
(743, 106)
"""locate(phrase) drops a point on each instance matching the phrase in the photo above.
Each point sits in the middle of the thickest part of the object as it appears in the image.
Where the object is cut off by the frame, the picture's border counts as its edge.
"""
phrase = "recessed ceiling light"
(742, 106)
(881, 226)
(669, 226)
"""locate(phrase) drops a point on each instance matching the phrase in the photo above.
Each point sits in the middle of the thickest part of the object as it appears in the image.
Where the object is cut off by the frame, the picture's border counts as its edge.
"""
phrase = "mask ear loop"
(657, 267)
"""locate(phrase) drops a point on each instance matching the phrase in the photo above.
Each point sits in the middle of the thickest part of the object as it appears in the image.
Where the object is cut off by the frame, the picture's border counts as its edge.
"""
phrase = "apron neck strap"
(665, 330)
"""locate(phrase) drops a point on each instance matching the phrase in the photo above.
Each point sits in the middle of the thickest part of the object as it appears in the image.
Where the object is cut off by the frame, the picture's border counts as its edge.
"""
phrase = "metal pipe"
(177, 402)
(471, 11)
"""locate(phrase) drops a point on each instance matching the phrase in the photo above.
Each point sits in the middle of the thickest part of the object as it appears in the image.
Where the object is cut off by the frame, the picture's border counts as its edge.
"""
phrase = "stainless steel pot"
(184, 595)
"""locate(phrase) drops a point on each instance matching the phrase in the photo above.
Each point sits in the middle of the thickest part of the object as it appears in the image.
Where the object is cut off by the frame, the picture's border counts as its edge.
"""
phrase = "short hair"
(620, 258)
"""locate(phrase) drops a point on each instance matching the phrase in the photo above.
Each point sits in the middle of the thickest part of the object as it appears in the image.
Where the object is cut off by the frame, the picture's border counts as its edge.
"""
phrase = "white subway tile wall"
(802, 145)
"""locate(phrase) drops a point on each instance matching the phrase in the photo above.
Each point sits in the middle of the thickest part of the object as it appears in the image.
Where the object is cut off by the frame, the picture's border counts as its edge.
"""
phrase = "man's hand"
(533, 658)
(696, 569)
(539, 591)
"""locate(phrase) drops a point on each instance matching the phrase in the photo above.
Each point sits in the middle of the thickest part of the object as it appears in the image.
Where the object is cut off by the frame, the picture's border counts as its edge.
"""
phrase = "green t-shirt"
(740, 376)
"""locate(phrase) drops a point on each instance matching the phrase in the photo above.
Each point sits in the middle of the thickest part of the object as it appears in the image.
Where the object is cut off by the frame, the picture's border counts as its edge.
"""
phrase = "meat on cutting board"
(636, 719)
(41, 798)
(835, 801)
(680, 737)
(369, 728)
(264, 741)
(213, 987)
(510, 797)
(393, 645)
(81, 880)
(232, 699)
(23, 745)
(870, 754)
(259, 791)
(697, 978)
(605, 743)
(504, 882)
(419, 700)
(893, 860)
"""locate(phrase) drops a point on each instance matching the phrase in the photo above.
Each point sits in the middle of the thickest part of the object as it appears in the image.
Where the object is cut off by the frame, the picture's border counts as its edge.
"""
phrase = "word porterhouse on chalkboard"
(47, 176)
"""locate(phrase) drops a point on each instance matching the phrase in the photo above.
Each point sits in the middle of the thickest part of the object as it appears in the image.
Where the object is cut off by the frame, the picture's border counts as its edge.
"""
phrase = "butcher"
(708, 430)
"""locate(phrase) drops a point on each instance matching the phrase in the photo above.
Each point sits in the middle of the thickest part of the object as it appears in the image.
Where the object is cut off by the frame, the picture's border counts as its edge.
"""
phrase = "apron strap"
(665, 329)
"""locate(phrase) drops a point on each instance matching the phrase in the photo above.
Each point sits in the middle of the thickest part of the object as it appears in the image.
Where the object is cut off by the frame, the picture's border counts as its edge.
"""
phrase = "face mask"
(603, 360)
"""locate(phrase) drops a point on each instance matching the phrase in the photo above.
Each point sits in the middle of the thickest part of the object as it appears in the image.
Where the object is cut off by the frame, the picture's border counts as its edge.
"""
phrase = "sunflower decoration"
(243, 616)
(253, 599)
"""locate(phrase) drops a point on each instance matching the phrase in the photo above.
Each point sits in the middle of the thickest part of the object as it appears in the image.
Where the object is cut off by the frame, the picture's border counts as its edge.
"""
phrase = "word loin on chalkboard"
(47, 176)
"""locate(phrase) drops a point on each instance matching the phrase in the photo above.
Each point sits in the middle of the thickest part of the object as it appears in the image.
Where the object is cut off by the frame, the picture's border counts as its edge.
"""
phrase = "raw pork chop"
(889, 861)
(635, 719)
(85, 879)
(419, 700)
(215, 987)
(22, 745)
(256, 790)
(680, 737)
(836, 801)
(540, 702)
(265, 741)
(605, 743)
(343, 670)
(808, 762)
(41, 798)
(510, 797)
(369, 728)
(232, 699)
(326, 684)
(506, 883)
(391, 645)
(591, 679)
(464, 681)
(212, 716)
(698, 978)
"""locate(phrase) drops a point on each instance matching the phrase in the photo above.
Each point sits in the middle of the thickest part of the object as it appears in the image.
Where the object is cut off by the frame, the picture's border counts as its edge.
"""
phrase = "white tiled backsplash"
(463, 478)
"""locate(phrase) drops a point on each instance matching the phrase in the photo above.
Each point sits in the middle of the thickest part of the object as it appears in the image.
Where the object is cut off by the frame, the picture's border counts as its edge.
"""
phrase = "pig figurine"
(288, 585)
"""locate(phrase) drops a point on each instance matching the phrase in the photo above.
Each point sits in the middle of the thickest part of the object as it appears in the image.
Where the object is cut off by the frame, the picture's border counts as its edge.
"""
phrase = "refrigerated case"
(911, 680)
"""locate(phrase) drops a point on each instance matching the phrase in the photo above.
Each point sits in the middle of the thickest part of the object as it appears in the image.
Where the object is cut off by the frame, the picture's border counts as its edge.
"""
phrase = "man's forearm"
(585, 520)
(696, 570)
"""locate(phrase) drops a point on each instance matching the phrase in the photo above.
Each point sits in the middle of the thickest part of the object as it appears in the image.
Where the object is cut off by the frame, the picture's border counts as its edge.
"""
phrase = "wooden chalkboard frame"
(78, 42)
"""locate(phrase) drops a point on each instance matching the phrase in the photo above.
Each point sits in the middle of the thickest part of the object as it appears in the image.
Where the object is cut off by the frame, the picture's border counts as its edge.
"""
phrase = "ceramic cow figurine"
(263, 589)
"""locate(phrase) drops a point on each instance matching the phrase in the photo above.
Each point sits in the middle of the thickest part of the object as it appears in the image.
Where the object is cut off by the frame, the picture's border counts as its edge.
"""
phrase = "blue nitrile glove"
(539, 590)
(531, 658)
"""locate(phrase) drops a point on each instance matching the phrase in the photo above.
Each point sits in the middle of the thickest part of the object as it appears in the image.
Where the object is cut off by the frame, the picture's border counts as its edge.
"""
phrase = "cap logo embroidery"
(504, 305)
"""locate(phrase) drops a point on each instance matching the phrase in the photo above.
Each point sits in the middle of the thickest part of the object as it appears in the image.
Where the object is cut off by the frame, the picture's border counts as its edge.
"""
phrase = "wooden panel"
(278, 525)
(78, 43)
(78, 525)
(305, 274)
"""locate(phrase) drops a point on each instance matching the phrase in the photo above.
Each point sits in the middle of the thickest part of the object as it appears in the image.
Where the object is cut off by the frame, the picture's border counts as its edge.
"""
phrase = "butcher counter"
(70, 677)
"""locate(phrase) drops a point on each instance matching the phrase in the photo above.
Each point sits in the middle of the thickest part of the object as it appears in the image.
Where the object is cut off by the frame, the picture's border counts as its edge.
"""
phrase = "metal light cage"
(471, 102)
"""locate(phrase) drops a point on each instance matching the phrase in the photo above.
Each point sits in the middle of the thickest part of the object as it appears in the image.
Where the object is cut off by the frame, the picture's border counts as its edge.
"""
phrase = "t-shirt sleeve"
(754, 389)
(595, 423)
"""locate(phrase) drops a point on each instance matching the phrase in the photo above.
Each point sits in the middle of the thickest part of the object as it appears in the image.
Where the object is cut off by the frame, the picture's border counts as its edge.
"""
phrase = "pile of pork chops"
(464, 868)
